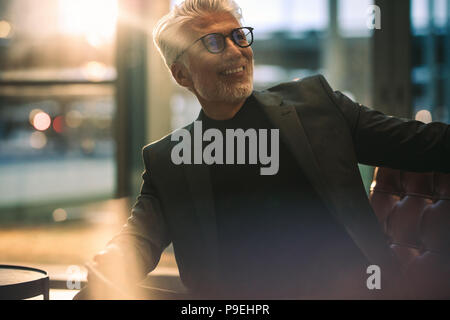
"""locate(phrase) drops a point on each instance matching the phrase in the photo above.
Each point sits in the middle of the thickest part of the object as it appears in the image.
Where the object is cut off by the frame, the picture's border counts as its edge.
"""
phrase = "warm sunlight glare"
(93, 19)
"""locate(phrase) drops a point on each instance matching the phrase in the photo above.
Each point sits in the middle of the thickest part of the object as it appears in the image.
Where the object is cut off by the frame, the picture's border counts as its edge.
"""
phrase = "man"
(306, 229)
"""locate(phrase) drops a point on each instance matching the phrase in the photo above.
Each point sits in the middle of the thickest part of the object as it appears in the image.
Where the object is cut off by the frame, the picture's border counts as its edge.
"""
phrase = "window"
(431, 57)
(57, 102)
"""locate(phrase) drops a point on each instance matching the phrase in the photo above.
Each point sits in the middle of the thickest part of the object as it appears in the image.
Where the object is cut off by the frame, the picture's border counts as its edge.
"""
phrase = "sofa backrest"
(414, 211)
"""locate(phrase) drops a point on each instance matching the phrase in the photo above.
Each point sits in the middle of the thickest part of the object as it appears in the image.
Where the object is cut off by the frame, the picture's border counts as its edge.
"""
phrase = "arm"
(138, 247)
(381, 140)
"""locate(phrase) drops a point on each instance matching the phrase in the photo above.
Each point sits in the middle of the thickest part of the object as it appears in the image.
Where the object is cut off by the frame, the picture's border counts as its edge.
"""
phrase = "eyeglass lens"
(215, 42)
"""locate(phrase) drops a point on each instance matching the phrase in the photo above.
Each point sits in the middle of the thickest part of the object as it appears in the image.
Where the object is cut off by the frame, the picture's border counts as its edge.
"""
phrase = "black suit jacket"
(328, 135)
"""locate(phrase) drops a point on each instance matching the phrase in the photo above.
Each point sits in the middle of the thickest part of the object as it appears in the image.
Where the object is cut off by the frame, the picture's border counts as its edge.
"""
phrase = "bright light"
(41, 121)
(32, 114)
(93, 19)
(5, 29)
(424, 116)
(94, 71)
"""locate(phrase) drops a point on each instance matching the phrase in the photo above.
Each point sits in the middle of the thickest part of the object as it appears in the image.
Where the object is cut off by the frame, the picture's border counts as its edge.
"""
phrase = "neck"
(221, 110)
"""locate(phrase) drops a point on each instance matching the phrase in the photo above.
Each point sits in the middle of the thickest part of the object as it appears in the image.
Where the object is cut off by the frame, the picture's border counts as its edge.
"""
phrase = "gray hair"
(167, 34)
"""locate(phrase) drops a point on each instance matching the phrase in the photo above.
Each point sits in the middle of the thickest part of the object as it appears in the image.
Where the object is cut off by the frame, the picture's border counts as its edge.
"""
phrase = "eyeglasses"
(215, 42)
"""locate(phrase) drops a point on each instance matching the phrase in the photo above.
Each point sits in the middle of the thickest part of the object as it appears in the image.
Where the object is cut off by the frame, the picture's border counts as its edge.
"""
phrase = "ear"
(181, 74)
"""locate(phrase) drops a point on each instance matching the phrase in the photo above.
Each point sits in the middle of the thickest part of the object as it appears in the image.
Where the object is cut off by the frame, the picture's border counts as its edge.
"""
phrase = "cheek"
(205, 76)
(204, 65)
(249, 53)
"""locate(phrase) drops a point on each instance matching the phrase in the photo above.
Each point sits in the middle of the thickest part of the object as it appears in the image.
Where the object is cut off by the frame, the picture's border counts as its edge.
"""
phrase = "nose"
(232, 50)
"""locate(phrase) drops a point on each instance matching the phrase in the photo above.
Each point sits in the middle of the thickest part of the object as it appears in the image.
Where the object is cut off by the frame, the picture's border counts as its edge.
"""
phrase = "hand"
(113, 273)
(108, 262)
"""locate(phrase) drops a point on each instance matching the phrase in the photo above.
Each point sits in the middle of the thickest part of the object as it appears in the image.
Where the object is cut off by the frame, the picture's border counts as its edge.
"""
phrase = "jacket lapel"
(362, 228)
(294, 136)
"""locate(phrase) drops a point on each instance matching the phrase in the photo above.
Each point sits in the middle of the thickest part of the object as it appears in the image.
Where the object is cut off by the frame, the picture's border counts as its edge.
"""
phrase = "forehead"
(214, 22)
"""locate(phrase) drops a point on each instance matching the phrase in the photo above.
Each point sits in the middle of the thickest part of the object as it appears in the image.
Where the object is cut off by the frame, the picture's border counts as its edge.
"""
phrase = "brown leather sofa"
(414, 210)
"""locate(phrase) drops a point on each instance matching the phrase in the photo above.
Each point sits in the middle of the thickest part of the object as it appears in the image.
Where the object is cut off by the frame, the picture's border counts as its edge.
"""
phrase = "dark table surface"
(17, 282)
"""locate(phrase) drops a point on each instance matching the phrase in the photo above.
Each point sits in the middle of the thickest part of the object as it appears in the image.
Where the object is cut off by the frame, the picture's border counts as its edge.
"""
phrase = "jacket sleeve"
(145, 236)
(386, 141)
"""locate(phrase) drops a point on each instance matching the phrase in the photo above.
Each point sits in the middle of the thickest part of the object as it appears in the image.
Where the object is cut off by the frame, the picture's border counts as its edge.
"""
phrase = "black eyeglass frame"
(230, 35)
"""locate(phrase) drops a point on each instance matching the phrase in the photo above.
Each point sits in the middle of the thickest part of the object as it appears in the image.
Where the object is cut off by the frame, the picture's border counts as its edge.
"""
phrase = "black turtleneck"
(276, 237)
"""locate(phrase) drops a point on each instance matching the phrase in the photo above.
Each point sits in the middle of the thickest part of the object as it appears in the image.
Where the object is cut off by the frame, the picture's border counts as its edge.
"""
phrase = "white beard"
(224, 92)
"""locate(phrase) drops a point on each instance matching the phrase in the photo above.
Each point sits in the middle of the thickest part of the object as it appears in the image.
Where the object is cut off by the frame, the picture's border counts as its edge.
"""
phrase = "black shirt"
(276, 237)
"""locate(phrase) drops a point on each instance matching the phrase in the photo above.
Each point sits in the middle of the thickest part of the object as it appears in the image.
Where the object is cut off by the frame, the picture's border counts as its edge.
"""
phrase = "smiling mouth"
(233, 71)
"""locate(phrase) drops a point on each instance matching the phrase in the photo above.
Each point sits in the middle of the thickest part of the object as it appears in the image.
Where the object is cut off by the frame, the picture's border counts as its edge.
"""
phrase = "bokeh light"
(74, 118)
(38, 140)
(5, 29)
(59, 215)
(424, 116)
(95, 71)
(32, 114)
(41, 121)
(88, 145)
(58, 124)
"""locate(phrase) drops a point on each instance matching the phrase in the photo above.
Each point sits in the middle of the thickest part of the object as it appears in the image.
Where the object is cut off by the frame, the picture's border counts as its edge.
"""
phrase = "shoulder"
(316, 82)
(311, 90)
(162, 145)
(303, 89)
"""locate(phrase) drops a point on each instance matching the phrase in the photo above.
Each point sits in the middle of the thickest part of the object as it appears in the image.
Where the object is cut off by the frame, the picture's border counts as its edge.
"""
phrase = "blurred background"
(82, 90)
